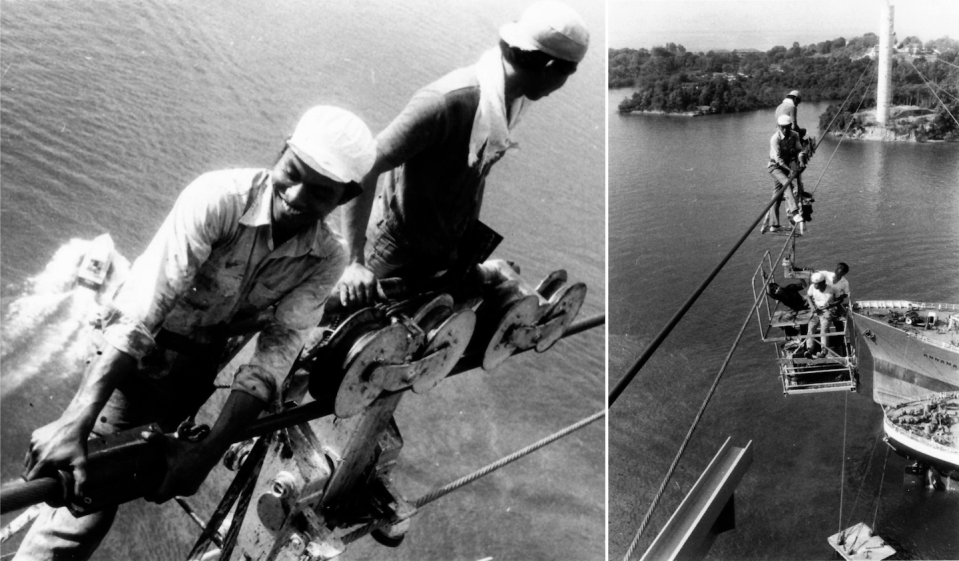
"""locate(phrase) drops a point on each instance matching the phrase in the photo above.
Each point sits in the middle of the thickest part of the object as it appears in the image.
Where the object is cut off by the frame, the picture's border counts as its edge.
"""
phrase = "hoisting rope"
(631, 373)
(862, 483)
(463, 481)
(842, 478)
(932, 90)
(875, 514)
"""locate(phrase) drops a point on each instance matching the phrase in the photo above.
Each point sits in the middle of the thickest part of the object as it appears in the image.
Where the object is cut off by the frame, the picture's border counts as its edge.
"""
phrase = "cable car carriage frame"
(788, 330)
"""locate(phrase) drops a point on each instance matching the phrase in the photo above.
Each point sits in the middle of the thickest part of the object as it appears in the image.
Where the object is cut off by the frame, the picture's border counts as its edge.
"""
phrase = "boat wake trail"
(48, 328)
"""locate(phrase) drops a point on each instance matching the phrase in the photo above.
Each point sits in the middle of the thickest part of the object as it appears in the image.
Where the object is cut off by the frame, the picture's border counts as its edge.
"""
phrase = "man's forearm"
(97, 385)
(356, 216)
(239, 411)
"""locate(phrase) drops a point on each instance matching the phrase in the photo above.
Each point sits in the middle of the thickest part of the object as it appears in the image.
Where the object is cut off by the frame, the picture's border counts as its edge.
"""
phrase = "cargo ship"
(914, 347)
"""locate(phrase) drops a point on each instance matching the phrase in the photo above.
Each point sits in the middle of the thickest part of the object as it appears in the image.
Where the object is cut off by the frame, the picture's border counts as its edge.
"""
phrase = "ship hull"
(906, 365)
(914, 445)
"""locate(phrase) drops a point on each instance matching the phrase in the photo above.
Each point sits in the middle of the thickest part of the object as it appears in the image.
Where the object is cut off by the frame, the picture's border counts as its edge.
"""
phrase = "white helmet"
(784, 120)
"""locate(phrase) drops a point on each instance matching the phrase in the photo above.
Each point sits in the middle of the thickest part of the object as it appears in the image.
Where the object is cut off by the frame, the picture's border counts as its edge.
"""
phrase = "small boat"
(914, 347)
(96, 263)
(926, 430)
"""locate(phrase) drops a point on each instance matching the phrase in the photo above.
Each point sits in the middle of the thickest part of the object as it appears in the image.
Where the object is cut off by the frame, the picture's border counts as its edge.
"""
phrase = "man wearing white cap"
(241, 248)
(439, 150)
(785, 157)
(821, 301)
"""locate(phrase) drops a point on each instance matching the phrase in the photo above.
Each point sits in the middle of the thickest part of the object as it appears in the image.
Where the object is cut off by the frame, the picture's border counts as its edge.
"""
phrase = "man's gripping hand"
(357, 287)
(61, 444)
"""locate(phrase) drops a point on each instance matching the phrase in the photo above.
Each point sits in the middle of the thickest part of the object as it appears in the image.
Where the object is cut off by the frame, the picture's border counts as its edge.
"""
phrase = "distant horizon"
(747, 49)
(704, 25)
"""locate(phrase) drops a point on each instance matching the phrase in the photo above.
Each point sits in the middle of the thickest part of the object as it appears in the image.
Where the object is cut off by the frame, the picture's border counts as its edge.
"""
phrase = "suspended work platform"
(784, 318)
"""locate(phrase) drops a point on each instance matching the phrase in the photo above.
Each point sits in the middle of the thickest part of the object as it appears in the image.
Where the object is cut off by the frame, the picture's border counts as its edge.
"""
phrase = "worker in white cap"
(822, 302)
(785, 157)
(242, 251)
(441, 147)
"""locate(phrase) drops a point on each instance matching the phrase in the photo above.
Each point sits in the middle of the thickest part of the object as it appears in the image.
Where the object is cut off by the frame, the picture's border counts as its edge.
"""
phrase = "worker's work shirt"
(433, 194)
(213, 264)
(788, 107)
(785, 149)
(821, 298)
(840, 287)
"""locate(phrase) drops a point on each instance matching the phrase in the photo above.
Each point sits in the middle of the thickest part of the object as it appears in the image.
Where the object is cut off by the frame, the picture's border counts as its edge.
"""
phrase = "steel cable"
(642, 360)
(841, 138)
(665, 331)
(699, 415)
(465, 480)
(932, 90)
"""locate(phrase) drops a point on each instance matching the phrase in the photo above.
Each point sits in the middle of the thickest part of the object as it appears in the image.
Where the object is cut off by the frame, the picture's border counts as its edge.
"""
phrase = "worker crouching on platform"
(240, 247)
(436, 154)
(786, 157)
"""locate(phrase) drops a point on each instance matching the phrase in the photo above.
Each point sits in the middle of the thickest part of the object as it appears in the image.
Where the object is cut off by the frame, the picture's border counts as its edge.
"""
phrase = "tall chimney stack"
(884, 88)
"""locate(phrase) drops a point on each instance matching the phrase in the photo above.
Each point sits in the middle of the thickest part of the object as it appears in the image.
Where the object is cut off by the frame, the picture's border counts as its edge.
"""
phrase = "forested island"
(670, 79)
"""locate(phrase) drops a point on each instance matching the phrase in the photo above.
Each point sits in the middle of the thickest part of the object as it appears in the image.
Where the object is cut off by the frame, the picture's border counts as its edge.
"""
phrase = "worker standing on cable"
(434, 157)
(786, 157)
(240, 247)
(790, 107)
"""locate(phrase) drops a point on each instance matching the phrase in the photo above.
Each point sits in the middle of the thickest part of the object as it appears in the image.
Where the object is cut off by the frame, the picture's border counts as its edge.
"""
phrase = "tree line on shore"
(671, 79)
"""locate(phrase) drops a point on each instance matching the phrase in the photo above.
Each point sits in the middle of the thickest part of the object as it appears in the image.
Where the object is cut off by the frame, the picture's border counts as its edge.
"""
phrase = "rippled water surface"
(681, 192)
(110, 108)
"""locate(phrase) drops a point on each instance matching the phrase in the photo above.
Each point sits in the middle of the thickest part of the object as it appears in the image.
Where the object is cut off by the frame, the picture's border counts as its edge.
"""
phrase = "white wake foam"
(47, 329)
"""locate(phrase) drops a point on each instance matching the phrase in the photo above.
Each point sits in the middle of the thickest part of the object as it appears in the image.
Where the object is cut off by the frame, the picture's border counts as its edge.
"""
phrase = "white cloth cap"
(794, 92)
(817, 277)
(784, 120)
(334, 142)
(551, 27)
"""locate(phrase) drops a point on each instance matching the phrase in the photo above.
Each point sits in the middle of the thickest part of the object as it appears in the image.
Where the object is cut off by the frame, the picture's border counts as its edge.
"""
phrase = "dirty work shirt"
(212, 263)
(821, 298)
(432, 196)
(784, 149)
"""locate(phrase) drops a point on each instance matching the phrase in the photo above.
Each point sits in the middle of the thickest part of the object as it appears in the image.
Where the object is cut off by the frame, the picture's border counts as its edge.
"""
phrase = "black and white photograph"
(479, 280)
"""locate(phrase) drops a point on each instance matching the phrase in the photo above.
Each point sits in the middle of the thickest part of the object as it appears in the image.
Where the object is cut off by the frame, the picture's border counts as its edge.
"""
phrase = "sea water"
(109, 109)
(681, 192)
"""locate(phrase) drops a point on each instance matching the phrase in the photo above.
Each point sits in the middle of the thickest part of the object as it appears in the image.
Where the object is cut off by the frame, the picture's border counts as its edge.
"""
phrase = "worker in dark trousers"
(786, 156)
